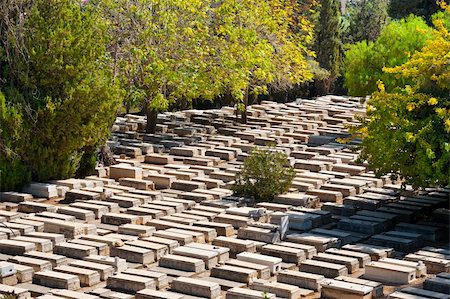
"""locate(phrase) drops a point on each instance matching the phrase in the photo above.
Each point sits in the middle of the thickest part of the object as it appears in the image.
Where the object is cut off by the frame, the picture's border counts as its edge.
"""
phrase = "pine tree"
(328, 44)
(369, 18)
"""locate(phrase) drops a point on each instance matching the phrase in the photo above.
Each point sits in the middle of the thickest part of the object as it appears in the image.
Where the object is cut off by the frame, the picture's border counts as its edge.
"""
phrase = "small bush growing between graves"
(265, 173)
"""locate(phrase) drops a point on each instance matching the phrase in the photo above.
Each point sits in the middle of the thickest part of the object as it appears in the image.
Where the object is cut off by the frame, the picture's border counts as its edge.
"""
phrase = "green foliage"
(407, 131)
(13, 172)
(161, 52)
(364, 61)
(328, 44)
(365, 19)
(265, 173)
(231, 47)
(62, 89)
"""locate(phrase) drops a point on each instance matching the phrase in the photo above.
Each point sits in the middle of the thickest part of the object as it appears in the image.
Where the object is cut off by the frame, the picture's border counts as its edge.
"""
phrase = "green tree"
(366, 19)
(328, 44)
(59, 84)
(406, 132)
(364, 61)
(265, 173)
(13, 171)
(257, 46)
(161, 52)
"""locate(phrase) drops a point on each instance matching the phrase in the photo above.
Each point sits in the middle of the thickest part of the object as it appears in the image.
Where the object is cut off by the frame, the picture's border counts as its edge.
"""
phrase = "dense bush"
(60, 94)
(265, 173)
(13, 172)
(364, 61)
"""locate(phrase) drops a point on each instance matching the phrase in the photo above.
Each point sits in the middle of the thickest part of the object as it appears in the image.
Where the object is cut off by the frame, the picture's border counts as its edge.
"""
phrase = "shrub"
(265, 173)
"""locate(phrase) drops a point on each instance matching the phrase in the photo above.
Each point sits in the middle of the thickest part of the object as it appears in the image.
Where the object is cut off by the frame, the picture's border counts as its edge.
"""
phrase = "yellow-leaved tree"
(261, 43)
(407, 132)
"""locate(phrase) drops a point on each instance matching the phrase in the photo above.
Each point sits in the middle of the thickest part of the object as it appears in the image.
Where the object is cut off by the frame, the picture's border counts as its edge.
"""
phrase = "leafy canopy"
(59, 89)
(265, 173)
(364, 61)
(407, 131)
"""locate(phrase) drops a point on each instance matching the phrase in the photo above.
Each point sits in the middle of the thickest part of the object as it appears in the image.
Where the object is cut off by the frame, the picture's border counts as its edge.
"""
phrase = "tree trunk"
(127, 107)
(151, 120)
(244, 113)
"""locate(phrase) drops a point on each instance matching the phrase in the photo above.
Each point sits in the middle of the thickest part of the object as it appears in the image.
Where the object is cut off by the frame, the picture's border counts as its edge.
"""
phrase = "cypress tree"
(328, 44)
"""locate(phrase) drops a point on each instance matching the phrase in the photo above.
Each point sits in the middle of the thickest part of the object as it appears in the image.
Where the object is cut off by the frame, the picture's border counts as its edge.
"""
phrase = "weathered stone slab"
(341, 289)
(234, 273)
(136, 230)
(437, 284)
(35, 207)
(158, 159)
(37, 225)
(240, 293)
(134, 254)
(196, 287)
(210, 258)
(112, 207)
(434, 265)
(182, 239)
(57, 280)
(171, 244)
(182, 263)
(54, 238)
(281, 290)
(121, 218)
(263, 271)
(375, 252)
(389, 273)
(301, 279)
(13, 247)
(15, 197)
(123, 170)
(158, 249)
(161, 279)
(98, 210)
(235, 245)
(259, 234)
(326, 269)
(117, 263)
(42, 190)
(34, 261)
(222, 229)
(351, 263)
(309, 250)
(43, 245)
(161, 181)
(87, 277)
(274, 263)
(137, 183)
(287, 254)
(321, 243)
(362, 258)
(78, 213)
(74, 250)
(376, 286)
(129, 283)
(326, 195)
(105, 271)
(102, 248)
(70, 230)
(153, 294)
